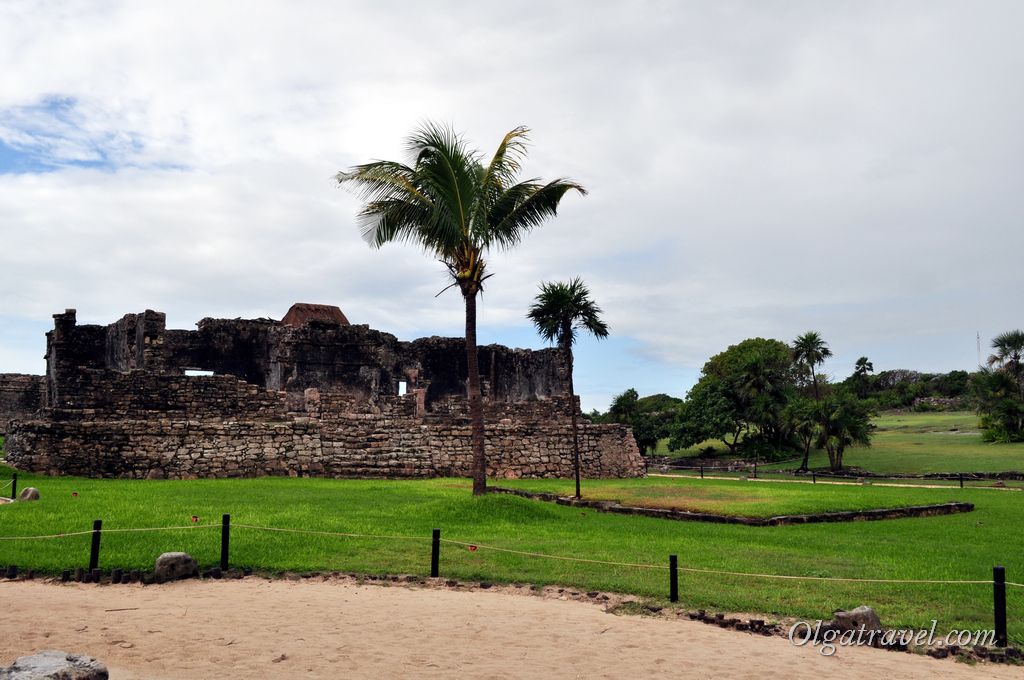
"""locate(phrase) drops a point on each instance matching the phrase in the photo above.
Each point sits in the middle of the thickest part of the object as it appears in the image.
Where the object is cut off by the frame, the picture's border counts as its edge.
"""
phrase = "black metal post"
(673, 578)
(702, 472)
(225, 541)
(814, 478)
(435, 553)
(94, 552)
(961, 480)
(14, 485)
(999, 587)
(755, 469)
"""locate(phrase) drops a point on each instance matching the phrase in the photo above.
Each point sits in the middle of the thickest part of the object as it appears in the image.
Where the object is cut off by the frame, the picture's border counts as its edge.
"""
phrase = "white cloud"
(755, 169)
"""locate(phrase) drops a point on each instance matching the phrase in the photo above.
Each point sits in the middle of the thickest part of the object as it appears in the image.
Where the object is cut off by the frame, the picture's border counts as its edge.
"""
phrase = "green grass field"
(953, 547)
(914, 443)
(737, 498)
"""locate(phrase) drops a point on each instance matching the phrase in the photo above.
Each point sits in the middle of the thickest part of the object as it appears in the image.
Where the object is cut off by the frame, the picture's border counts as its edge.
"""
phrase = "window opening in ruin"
(402, 388)
(196, 371)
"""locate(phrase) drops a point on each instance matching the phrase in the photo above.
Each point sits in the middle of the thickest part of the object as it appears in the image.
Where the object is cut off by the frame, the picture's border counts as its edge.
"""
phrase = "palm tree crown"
(561, 309)
(1008, 355)
(456, 207)
(810, 350)
(452, 204)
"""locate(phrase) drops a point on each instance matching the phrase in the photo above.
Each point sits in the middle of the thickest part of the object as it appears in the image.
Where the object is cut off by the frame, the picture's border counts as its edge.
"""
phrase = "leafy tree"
(624, 407)
(708, 413)
(559, 311)
(457, 207)
(651, 418)
(809, 350)
(744, 387)
(843, 421)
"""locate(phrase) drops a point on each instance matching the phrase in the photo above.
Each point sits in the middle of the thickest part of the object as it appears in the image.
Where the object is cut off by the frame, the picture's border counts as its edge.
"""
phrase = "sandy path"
(808, 481)
(336, 629)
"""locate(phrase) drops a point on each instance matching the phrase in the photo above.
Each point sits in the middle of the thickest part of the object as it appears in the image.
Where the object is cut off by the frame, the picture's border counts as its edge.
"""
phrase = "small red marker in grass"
(74, 494)
(195, 518)
(472, 548)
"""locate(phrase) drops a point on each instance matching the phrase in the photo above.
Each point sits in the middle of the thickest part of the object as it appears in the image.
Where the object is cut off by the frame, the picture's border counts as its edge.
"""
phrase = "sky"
(754, 169)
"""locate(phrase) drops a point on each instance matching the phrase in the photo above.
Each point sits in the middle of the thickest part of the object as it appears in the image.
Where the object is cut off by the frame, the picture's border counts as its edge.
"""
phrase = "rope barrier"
(525, 553)
(337, 534)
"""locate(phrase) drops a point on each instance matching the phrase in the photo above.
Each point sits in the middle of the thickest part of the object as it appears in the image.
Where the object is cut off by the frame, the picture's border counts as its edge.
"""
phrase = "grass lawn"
(737, 498)
(953, 547)
(913, 443)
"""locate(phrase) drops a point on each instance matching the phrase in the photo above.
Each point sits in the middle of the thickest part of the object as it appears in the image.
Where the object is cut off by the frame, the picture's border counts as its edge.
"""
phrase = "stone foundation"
(21, 396)
(220, 426)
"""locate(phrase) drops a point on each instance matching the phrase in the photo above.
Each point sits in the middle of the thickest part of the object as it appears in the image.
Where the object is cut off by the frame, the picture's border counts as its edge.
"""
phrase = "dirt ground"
(337, 628)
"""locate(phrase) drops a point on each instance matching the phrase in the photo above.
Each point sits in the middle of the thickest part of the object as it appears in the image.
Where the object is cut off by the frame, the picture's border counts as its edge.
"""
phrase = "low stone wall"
(162, 426)
(779, 520)
(21, 396)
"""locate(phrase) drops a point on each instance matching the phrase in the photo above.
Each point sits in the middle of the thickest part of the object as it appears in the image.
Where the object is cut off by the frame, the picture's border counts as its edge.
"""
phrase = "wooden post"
(999, 595)
(435, 553)
(673, 578)
(94, 552)
(225, 541)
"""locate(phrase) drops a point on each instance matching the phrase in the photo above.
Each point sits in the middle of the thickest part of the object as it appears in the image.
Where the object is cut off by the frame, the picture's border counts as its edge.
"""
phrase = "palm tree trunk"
(476, 407)
(575, 426)
(814, 381)
(807, 457)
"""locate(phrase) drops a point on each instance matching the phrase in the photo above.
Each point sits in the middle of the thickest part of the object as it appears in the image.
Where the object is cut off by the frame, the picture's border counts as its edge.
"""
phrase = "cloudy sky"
(755, 169)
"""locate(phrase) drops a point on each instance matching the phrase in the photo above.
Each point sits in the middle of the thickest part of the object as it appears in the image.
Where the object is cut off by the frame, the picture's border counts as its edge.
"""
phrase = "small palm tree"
(559, 311)
(810, 350)
(456, 207)
(843, 421)
(1008, 356)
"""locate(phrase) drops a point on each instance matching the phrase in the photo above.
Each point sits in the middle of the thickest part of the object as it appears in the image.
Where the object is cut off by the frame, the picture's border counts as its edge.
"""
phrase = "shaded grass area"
(952, 547)
(738, 498)
(914, 443)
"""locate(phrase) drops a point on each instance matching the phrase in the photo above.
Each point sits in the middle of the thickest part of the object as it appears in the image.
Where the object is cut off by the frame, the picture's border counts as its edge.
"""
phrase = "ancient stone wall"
(21, 396)
(336, 435)
(318, 398)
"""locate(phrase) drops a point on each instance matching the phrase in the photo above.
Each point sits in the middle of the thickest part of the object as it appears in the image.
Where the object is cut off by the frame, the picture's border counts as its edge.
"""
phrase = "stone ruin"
(310, 395)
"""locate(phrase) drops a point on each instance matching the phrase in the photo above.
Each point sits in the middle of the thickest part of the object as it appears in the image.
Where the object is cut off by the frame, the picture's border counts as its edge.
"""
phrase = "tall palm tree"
(559, 311)
(456, 207)
(1008, 355)
(810, 350)
(861, 369)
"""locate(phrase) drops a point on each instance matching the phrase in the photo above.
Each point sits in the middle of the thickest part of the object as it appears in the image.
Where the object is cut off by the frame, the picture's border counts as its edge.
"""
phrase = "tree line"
(764, 399)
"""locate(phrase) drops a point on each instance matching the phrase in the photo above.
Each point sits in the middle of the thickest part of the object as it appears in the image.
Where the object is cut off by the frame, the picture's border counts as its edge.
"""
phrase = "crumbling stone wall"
(21, 396)
(319, 398)
(223, 427)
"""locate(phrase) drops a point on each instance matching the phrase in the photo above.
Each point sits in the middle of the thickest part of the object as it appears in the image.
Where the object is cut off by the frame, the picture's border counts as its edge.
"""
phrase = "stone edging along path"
(687, 515)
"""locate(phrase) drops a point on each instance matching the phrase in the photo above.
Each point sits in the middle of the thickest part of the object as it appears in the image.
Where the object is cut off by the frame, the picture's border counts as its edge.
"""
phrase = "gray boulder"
(29, 493)
(856, 619)
(55, 665)
(175, 565)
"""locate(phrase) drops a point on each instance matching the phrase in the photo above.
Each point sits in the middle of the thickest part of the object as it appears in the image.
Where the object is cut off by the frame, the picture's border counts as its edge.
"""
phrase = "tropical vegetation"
(457, 206)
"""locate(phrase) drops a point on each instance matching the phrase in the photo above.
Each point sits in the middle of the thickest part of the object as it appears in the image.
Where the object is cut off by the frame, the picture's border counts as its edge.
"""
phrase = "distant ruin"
(310, 395)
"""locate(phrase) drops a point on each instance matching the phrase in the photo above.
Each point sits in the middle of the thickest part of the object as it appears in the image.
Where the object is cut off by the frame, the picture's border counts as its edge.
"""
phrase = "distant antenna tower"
(979, 348)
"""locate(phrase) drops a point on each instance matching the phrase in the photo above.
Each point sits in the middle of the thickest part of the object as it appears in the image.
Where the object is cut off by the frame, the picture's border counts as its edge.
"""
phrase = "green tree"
(1008, 356)
(559, 311)
(802, 415)
(809, 350)
(1000, 406)
(457, 207)
(861, 369)
(743, 388)
(843, 421)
